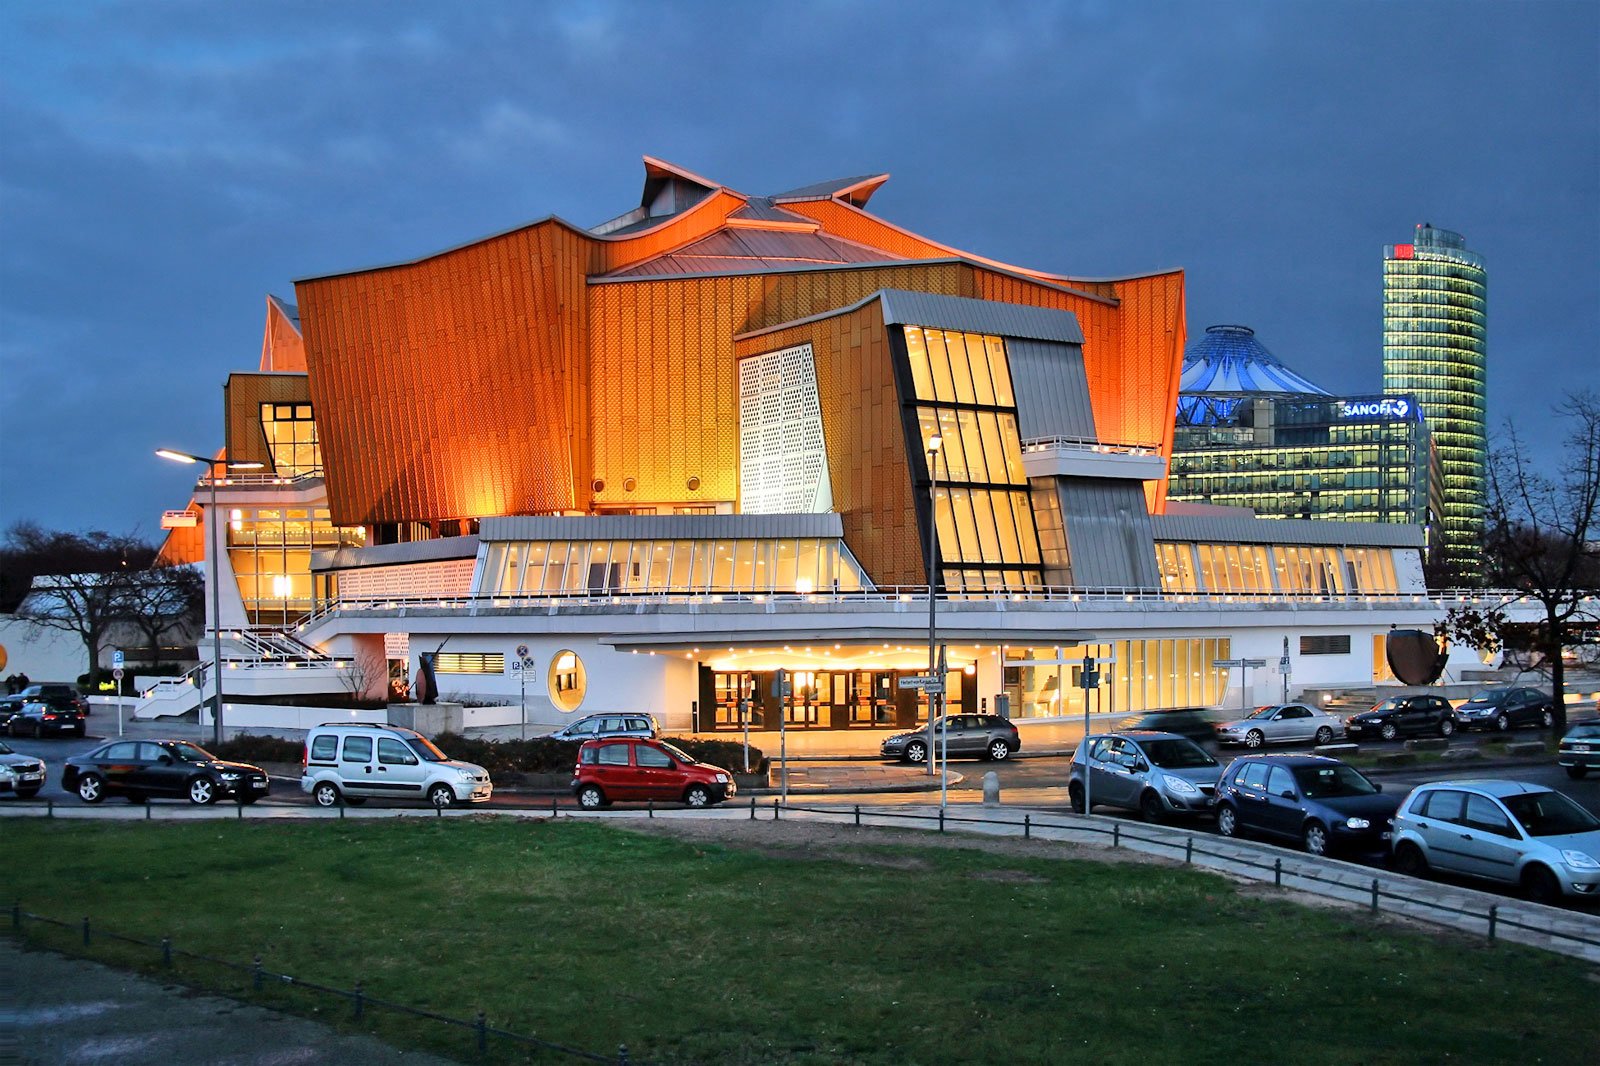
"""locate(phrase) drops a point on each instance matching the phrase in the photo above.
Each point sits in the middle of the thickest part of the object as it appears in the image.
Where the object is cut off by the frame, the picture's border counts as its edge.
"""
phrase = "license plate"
(1580, 747)
(1385, 836)
(32, 777)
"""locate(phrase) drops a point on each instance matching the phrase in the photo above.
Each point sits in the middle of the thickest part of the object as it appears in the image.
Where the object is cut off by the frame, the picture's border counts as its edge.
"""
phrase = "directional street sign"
(931, 685)
(1239, 662)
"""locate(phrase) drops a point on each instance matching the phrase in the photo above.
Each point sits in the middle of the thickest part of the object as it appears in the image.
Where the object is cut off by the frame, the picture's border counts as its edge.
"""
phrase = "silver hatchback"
(1156, 774)
(1507, 831)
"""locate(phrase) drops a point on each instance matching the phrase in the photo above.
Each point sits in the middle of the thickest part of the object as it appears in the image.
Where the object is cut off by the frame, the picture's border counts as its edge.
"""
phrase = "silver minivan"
(1156, 774)
(351, 763)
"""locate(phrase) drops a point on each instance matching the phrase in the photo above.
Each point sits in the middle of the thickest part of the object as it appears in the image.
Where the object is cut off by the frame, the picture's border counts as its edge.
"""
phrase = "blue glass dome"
(1227, 362)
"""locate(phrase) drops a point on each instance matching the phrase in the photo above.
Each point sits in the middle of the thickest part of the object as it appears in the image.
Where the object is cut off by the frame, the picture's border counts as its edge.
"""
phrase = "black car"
(1502, 708)
(42, 719)
(1320, 802)
(142, 769)
(984, 736)
(57, 694)
(1196, 723)
(1399, 715)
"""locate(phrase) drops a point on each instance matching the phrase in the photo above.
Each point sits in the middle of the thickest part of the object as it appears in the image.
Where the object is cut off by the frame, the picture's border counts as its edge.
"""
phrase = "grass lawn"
(692, 952)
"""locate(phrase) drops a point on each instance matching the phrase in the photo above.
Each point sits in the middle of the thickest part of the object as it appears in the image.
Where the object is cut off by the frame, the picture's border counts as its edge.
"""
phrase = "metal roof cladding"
(1229, 359)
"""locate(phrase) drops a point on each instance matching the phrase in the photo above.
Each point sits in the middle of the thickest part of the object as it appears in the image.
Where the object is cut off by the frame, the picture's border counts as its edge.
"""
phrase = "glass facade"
(632, 567)
(292, 439)
(1435, 347)
(983, 515)
(270, 551)
(1146, 675)
(1245, 569)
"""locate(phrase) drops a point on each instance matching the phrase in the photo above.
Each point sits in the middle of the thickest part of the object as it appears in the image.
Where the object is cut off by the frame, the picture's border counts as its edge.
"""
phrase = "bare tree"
(78, 581)
(163, 598)
(1538, 541)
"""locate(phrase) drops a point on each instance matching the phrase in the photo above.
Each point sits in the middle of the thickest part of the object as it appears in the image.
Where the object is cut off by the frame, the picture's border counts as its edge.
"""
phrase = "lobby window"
(270, 551)
(689, 567)
(291, 435)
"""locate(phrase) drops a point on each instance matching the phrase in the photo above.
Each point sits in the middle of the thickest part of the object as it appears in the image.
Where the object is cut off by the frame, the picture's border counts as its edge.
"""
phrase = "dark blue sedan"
(1318, 802)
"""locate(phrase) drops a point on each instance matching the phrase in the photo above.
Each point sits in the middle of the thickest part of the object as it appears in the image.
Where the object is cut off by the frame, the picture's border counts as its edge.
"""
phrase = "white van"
(353, 763)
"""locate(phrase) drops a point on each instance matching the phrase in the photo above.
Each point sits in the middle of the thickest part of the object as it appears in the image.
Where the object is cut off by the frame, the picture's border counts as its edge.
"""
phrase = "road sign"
(516, 666)
(522, 651)
(117, 661)
(117, 673)
(1239, 662)
(931, 685)
(1089, 679)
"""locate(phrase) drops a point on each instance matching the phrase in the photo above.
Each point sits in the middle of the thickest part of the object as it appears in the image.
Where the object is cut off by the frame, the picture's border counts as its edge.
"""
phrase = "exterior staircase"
(260, 663)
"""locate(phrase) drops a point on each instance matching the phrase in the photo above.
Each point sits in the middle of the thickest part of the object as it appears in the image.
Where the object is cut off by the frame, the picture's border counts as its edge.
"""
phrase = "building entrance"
(819, 699)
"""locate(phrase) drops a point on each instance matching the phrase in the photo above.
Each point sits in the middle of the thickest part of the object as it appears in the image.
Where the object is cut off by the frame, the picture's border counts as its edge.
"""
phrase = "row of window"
(606, 567)
(1135, 675)
(958, 367)
(978, 446)
(1256, 568)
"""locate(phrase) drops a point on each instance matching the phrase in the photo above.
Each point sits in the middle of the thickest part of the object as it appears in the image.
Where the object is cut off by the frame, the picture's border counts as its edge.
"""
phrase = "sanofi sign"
(1389, 407)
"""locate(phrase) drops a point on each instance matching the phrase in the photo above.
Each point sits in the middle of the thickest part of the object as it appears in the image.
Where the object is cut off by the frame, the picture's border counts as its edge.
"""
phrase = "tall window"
(292, 438)
(983, 519)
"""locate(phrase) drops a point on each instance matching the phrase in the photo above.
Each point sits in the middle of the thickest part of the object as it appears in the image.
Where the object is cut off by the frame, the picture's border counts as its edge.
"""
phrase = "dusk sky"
(166, 165)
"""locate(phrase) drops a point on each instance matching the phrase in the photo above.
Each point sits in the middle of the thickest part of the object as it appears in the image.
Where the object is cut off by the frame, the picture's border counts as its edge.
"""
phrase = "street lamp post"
(934, 443)
(212, 571)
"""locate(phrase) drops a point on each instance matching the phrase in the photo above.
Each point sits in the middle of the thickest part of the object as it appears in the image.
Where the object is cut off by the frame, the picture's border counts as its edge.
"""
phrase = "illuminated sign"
(1389, 408)
(179, 520)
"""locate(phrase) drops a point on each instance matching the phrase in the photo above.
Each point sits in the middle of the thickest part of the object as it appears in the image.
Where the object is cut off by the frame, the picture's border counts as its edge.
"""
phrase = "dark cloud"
(168, 164)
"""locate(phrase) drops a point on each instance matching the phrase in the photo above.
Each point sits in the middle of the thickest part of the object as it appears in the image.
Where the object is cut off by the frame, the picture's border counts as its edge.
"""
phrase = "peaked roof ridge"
(856, 190)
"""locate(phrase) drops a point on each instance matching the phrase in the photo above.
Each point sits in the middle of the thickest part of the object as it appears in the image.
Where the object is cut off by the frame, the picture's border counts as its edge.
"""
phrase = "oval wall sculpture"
(1414, 656)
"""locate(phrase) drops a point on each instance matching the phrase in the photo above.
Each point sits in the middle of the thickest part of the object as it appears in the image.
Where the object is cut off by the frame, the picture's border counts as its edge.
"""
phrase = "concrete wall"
(42, 653)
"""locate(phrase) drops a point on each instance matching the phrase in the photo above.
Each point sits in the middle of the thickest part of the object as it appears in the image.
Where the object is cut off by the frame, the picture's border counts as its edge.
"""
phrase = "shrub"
(728, 754)
(254, 749)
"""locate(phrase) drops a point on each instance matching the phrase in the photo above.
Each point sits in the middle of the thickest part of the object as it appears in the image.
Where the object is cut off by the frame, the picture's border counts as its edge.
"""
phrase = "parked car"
(145, 769)
(637, 768)
(1511, 832)
(1399, 715)
(352, 763)
(21, 774)
(1323, 804)
(1281, 723)
(56, 693)
(1196, 723)
(1156, 774)
(978, 736)
(1503, 708)
(41, 719)
(595, 726)
(1580, 749)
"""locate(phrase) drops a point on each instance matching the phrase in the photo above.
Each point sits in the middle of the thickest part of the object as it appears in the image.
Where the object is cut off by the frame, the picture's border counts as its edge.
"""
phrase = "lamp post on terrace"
(212, 572)
(934, 443)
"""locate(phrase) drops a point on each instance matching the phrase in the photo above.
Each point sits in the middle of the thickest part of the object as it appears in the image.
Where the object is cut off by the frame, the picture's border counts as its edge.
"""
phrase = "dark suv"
(1319, 802)
(1502, 708)
(1399, 715)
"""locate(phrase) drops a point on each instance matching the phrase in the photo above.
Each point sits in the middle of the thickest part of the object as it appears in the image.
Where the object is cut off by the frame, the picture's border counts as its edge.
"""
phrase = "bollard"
(255, 972)
(1027, 826)
(357, 999)
(482, 1026)
(858, 814)
(86, 932)
(1277, 872)
(1188, 852)
(991, 789)
(166, 951)
(1374, 895)
(1116, 834)
(1494, 916)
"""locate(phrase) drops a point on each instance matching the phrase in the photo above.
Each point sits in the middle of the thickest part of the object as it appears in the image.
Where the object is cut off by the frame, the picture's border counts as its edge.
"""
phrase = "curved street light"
(211, 574)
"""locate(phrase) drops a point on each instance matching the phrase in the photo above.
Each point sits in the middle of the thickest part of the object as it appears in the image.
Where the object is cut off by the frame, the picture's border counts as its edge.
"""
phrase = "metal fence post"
(255, 972)
(166, 951)
(357, 999)
(555, 812)
(941, 819)
(622, 1055)
(147, 811)
(1277, 872)
(481, 1024)
(439, 811)
(858, 814)
(752, 808)
(1494, 916)
(1188, 852)
(1116, 834)
(650, 807)
(341, 807)
(16, 915)
(86, 931)
(1374, 895)
(1027, 826)
(50, 805)
(774, 810)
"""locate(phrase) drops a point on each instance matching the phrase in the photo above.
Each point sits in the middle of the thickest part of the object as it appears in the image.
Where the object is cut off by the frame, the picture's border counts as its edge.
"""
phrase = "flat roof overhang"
(854, 637)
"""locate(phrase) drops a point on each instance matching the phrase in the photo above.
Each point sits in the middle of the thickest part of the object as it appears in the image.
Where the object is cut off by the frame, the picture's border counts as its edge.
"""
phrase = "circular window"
(567, 680)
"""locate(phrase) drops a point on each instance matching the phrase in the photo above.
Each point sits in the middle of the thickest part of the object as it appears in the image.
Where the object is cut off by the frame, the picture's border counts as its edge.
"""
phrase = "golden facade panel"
(243, 396)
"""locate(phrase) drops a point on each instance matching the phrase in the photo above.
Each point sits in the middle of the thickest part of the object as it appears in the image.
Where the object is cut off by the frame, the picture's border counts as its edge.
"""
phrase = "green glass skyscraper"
(1435, 348)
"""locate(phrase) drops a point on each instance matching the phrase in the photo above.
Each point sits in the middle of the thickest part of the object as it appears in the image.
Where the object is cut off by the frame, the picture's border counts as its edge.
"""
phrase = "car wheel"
(1315, 838)
(1324, 735)
(27, 793)
(591, 797)
(442, 796)
(697, 796)
(999, 750)
(326, 794)
(1254, 739)
(1075, 797)
(1447, 727)
(91, 788)
(1547, 718)
(1409, 860)
(1540, 885)
(1389, 731)
(1150, 808)
(1502, 723)
(1577, 772)
(916, 752)
(202, 790)
(1227, 820)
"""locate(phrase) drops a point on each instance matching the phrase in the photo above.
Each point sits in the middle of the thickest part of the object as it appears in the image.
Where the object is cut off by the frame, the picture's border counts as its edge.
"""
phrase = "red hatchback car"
(636, 768)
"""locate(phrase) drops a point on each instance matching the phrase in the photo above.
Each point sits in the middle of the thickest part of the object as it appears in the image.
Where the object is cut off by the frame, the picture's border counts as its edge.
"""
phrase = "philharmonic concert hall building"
(647, 464)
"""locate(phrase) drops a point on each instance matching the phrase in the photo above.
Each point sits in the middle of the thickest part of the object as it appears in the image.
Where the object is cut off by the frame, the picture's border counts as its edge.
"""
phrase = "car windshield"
(1585, 730)
(1487, 698)
(425, 750)
(1177, 754)
(1549, 814)
(190, 752)
(1326, 782)
(1264, 712)
(1393, 703)
(679, 754)
(5, 749)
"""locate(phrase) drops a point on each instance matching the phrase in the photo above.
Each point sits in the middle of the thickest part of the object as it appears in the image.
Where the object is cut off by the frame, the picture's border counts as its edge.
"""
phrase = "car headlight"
(1580, 860)
(230, 775)
(1179, 785)
(6, 771)
(722, 779)
(466, 774)
(1357, 823)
